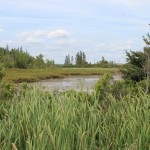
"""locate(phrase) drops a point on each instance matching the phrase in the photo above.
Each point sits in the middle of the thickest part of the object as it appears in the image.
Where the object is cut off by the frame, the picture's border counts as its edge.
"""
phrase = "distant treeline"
(17, 58)
(80, 61)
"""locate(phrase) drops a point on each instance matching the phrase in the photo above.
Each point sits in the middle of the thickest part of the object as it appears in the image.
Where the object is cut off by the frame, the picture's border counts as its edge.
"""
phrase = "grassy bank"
(33, 75)
(75, 121)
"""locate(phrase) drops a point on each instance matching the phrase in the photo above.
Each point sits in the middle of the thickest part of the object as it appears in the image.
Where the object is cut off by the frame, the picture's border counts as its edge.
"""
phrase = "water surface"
(80, 83)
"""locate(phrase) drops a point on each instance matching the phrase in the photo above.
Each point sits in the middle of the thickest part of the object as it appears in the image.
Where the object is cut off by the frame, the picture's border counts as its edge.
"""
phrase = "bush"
(118, 89)
(103, 86)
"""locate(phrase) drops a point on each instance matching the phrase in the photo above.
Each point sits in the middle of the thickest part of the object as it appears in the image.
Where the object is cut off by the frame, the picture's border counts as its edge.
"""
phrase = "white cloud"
(58, 34)
(31, 40)
(42, 36)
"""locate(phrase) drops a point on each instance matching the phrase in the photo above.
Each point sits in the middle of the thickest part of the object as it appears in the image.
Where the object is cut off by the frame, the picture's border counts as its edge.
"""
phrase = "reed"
(70, 121)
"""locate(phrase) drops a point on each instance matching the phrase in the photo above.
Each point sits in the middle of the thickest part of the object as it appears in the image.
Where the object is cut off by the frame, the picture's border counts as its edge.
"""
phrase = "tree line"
(17, 58)
(80, 61)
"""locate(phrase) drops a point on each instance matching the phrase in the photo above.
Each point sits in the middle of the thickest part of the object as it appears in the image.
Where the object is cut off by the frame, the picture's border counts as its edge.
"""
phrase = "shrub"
(118, 89)
(103, 86)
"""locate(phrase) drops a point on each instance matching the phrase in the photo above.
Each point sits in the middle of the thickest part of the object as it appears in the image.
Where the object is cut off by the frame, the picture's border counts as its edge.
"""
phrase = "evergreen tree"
(72, 60)
(77, 58)
(147, 64)
(83, 58)
(80, 59)
(134, 69)
(67, 60)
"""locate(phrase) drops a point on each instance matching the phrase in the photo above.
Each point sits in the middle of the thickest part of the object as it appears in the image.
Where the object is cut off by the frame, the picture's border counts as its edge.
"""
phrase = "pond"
(79, 83)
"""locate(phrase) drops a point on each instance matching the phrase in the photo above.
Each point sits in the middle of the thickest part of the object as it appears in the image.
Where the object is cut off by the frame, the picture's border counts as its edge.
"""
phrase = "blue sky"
(58, 27)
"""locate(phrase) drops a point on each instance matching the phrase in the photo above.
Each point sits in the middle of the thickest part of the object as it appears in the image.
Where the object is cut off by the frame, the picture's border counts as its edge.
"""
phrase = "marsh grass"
(75, 121)
(34, 75)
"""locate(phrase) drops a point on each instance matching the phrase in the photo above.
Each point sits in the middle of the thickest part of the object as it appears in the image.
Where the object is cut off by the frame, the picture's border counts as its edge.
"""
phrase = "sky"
(56, 28)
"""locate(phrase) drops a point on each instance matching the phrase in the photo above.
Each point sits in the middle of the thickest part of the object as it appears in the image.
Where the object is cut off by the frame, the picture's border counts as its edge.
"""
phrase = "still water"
(79, 83)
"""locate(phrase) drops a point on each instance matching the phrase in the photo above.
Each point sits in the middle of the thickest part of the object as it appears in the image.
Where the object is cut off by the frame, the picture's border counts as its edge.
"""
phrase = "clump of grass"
(38, 120)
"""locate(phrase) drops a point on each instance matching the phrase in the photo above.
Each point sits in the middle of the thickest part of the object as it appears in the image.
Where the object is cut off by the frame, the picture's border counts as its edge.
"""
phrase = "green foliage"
(106, 86)
(50, 63)
(38, 120)
(69, 60)
(102, 87)
(143, 84)
(138, 67)
(134, 69)
(132, 73)
(118, 89)
(7, 90)
(147, 64)
(2, 72)
(40, 61)
(136, 58)
(80, 59)
(103, 63)
(17, 58)
(147, 39)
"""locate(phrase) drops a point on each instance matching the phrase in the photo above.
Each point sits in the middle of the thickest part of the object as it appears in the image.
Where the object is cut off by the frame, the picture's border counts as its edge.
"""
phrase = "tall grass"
(75, 121)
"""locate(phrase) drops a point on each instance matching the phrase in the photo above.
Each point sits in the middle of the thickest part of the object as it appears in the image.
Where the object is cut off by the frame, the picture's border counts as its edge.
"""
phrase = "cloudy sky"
(58, 27)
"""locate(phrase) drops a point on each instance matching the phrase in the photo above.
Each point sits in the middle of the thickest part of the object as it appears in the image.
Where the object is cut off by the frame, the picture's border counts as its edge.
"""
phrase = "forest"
(17, 58)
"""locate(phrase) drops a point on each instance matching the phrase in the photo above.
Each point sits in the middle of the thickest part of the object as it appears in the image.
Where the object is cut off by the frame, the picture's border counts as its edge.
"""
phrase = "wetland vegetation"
(112, 117)
(34, 75)
(115, 115)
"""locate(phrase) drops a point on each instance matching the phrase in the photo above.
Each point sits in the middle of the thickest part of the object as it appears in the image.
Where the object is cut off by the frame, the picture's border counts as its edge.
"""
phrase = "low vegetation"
(34, 75)
(34, 119)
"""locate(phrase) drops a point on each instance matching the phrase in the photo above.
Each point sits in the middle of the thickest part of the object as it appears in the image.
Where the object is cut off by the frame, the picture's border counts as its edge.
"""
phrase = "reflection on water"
(84, 83)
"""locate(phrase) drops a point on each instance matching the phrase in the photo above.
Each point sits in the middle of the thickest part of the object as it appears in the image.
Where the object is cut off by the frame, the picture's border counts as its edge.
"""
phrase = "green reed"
(75, 121)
